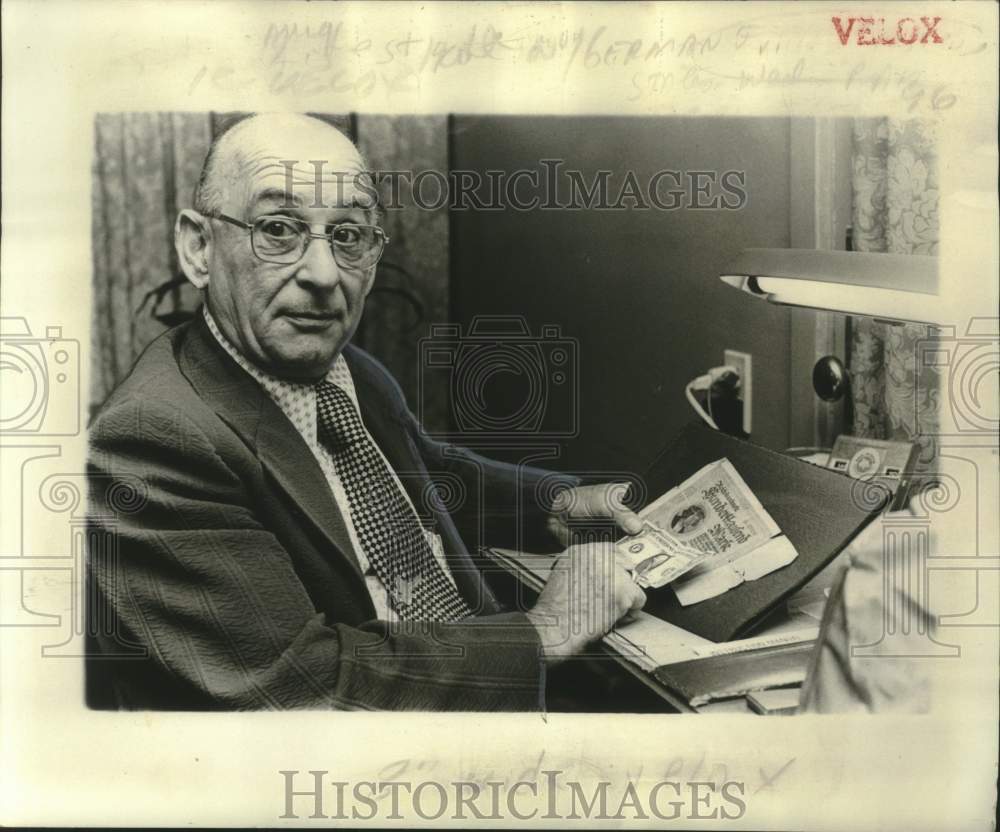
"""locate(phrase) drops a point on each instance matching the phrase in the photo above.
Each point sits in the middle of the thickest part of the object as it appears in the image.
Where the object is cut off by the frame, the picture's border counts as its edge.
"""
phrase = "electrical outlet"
(743, 364)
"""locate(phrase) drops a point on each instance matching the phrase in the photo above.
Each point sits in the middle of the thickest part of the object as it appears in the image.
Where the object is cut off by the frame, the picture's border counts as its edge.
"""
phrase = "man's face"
(291, 320)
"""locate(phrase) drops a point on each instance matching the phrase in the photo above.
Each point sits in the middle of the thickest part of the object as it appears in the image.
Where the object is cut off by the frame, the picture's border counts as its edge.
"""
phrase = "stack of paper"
(719, 677)
(778, 701)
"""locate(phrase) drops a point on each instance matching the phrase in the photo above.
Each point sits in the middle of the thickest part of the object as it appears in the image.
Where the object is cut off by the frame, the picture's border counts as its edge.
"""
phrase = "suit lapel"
(261, 424)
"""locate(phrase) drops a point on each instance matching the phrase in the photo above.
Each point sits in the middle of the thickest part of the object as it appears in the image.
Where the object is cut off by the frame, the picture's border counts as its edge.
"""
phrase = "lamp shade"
(893, 287)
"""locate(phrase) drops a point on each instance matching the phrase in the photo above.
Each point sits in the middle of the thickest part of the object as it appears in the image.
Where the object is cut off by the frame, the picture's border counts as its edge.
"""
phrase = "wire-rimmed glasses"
(283, 240)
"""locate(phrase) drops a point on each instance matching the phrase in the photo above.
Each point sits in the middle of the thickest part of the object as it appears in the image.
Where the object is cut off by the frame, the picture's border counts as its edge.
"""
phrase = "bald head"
(292, 157)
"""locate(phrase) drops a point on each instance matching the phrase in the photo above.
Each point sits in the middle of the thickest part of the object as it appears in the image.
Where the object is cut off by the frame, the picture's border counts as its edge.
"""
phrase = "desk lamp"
(893, 288)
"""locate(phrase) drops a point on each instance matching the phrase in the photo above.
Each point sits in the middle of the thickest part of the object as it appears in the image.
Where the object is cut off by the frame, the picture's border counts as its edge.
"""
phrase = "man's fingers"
(632, 601)
(628, 521)
(606, 500)
(632, 598)
(590, 501)
(638, 598)
(603, 586)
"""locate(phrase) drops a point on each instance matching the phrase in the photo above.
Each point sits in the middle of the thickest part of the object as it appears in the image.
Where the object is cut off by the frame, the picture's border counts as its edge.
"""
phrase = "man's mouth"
(307, 313)
(308, 319)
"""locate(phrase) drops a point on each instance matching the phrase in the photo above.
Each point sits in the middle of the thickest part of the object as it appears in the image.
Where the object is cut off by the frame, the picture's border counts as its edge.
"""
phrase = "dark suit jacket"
(218, 551)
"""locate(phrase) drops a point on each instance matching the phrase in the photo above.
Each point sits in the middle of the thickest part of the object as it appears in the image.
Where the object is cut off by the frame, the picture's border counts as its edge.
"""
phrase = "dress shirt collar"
(338, 374)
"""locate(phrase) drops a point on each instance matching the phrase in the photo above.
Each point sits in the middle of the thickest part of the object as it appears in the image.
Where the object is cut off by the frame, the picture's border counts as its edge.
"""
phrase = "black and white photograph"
(509, 415)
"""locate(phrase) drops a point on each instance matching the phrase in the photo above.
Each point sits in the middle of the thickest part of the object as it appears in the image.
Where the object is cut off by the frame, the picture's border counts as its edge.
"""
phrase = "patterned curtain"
(411, 286)
(895, 210)
(145, 168)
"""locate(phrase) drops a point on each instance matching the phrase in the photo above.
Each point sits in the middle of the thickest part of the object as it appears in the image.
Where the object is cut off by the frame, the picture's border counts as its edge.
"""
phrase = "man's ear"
(193, 241)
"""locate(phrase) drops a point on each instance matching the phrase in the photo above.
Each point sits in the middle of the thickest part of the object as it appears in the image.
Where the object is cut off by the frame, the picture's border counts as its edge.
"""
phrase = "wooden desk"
(527, 583)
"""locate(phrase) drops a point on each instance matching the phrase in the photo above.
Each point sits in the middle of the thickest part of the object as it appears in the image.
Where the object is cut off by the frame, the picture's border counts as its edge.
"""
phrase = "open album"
(705, 536)
(735, 539)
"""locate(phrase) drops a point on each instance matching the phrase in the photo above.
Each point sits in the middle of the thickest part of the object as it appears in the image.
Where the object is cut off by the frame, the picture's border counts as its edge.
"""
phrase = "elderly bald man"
(281, 550)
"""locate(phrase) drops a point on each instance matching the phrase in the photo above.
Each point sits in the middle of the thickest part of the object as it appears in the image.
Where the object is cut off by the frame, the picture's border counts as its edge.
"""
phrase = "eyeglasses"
(284, 240)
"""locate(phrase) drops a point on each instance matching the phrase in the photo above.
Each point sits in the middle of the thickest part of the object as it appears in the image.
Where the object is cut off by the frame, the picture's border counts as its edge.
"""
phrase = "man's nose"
(318, 267)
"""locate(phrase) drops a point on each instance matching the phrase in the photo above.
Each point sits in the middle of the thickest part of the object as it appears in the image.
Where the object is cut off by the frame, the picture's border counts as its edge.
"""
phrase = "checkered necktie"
(386, 524)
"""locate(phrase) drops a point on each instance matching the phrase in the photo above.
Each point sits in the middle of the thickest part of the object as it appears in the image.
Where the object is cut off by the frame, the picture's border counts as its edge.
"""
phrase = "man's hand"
(587, 593)
(591, 502)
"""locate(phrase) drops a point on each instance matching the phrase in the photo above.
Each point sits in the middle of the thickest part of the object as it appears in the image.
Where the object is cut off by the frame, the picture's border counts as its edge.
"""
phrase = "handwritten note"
(340, 57)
